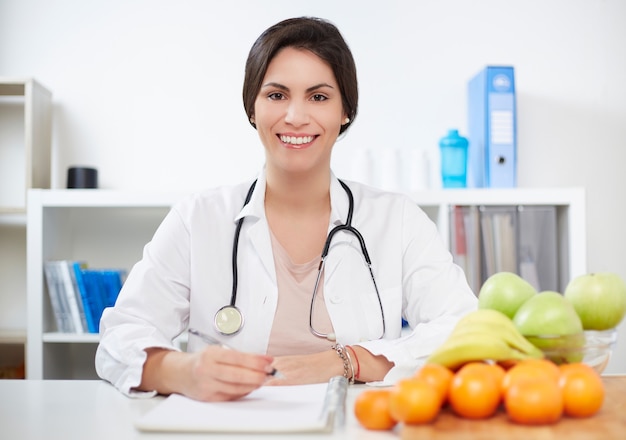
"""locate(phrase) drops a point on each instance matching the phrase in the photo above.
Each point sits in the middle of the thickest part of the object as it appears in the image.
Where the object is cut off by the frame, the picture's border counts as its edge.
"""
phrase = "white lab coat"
(185, 276)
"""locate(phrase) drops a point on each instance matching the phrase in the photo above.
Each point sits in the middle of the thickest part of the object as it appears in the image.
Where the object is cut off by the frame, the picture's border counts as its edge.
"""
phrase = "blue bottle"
(453, 149)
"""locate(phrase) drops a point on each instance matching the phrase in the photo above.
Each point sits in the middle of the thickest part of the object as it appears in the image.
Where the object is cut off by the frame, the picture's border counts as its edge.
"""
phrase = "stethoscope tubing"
(232, 309)
(233, 295)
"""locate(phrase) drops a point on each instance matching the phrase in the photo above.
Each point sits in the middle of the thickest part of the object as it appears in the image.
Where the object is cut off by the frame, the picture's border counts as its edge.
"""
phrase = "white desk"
(92, 409)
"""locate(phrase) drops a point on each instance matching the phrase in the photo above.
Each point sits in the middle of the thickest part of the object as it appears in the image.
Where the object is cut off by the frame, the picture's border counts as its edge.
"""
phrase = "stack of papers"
(270, 409)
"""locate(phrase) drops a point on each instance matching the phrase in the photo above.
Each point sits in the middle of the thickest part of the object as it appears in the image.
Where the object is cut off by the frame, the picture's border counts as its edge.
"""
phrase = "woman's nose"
(296, 114)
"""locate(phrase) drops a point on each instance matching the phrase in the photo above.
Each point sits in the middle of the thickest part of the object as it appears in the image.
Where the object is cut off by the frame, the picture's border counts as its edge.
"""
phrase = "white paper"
(269, 409)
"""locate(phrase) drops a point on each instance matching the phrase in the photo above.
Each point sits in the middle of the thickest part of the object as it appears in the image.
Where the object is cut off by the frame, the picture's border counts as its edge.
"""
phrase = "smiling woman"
(298, 107)
(319, 38)
(316, 302)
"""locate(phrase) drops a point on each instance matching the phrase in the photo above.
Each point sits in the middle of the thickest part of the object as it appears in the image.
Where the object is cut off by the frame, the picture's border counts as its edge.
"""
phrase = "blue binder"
(492, 129)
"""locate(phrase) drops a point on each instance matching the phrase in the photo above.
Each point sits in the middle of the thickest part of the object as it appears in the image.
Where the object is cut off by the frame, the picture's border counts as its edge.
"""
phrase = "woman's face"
(298, 112)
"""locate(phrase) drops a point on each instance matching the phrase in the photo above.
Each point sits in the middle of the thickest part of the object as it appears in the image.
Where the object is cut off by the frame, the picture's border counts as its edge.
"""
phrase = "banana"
(508, 333)
(461, 349)
(484, 334)
(495, 321)
(486, 315)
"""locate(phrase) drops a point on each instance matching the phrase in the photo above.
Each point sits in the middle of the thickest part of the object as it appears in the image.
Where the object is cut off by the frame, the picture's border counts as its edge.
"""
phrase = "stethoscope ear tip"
(331, 337)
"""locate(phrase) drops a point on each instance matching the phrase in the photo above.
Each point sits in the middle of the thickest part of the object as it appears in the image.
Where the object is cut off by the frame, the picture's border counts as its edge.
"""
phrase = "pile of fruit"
(482, 335)
(492, 359)
(531, 392)
(515, 322)
(595, 301)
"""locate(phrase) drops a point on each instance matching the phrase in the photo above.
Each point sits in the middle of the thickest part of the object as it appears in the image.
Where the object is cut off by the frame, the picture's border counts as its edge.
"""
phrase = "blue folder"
(492, 129)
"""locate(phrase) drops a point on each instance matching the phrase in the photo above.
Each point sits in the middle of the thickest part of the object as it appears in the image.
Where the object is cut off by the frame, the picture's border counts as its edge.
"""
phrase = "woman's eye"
(319, 97)
(276, 96)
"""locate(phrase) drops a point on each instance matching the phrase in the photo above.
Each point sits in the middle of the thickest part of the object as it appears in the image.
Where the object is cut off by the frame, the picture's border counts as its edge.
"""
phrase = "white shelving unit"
(110, 228)
(105, 229)
(25, 142)
(570, 210)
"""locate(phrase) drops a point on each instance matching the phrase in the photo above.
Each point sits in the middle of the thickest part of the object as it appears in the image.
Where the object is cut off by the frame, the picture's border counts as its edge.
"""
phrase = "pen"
(212, 341)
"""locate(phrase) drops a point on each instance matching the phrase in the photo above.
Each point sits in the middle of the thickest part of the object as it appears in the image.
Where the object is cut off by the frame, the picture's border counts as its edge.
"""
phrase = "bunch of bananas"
(484, 335)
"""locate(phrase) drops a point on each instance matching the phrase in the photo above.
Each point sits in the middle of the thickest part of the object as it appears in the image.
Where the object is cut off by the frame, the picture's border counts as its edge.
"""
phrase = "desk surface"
(57, 409)
(94, 410)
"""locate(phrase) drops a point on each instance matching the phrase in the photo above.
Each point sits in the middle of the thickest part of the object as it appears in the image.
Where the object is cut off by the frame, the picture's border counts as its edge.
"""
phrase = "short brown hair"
(316, 35)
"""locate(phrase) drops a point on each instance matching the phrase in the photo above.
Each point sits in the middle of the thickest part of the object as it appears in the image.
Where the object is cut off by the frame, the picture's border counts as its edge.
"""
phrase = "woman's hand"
(213, 374)
(320, 367)
(308, 368)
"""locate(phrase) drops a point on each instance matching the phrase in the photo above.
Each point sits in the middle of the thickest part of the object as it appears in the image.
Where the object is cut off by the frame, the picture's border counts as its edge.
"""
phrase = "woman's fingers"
(224, 374)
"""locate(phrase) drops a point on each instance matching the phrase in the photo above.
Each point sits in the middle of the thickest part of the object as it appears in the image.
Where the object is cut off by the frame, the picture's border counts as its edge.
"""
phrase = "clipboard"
(269, 409)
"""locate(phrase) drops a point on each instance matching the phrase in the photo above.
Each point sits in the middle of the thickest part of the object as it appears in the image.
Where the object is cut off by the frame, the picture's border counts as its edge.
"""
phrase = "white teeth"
(296, 140)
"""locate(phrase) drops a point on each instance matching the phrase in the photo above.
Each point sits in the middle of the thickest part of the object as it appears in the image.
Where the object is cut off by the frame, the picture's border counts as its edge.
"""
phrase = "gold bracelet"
(347, 362)
(356, 360)
(347, 352)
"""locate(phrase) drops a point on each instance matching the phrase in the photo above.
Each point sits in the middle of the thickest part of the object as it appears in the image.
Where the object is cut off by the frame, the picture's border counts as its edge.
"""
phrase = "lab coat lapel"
(255, 230)
(259, 238)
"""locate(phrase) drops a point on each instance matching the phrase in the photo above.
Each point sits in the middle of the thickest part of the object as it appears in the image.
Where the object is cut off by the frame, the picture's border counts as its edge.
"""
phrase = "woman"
(300, 93)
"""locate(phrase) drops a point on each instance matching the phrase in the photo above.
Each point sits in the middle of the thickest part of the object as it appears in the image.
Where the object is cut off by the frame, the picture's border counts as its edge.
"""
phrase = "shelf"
(500, 196)
(110, 227)
(102, 198)
(13, 219)
(571, 215)
(12, 336)
(80, 338)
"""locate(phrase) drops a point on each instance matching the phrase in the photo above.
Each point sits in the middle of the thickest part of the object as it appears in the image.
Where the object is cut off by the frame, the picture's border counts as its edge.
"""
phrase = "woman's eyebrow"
(275, 85)
(318, 86)
(308, 90)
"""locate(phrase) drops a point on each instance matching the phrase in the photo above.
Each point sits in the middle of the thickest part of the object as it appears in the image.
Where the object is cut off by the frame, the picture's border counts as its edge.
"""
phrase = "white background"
(149, 91)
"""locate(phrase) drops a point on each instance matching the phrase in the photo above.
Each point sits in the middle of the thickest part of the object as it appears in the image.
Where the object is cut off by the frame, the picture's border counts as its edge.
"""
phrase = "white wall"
(149, 91)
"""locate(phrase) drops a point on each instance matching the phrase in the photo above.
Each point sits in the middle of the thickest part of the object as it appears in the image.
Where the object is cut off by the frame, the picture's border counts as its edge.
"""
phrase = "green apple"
(547, 313)
(505, 292)
(599, 299)
(561, 349)
(550, 322)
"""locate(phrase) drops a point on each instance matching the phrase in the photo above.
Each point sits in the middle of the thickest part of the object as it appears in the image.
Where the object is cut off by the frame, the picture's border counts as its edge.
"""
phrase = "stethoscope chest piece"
(228, 320)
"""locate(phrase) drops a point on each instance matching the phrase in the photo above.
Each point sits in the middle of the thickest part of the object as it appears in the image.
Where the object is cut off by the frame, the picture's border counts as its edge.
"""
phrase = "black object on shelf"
(82, 177)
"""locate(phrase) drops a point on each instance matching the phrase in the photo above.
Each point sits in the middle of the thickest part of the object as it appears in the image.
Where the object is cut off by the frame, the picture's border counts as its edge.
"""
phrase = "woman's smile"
(297, 142)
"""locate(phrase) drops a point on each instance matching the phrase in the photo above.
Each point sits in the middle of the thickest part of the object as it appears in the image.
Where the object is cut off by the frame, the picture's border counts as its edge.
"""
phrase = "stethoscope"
(229, 319)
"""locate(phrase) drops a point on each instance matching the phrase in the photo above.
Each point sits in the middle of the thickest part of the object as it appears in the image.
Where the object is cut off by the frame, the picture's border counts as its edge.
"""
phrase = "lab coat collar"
(256, 206)
(338, 201)
(258, 229)
(339, 204)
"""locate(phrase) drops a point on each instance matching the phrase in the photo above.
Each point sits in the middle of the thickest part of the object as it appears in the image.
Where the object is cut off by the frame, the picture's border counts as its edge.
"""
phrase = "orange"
(437, 376)
(530, 369)
(494, 370)
(545, 365)
(498, 373)
(414, 401)
(582, 388)
(475, 391)
(371, 409)
(534, 402)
